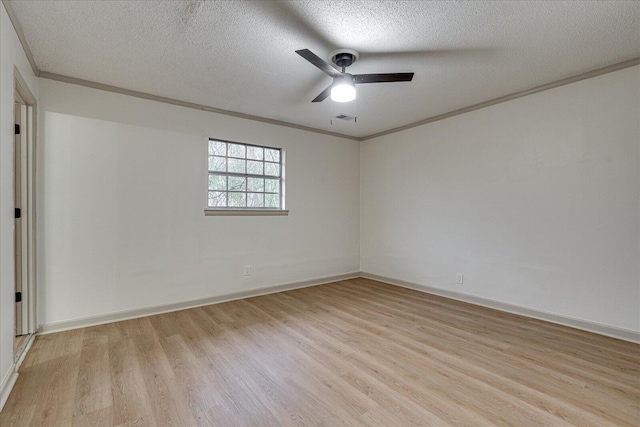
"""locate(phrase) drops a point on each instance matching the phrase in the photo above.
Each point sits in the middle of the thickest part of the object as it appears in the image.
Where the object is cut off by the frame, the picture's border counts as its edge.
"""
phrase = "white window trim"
(223, 211)
(246, 212)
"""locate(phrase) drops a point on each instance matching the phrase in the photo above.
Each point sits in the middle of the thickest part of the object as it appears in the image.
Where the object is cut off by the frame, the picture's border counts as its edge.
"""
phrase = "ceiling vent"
(346, 118)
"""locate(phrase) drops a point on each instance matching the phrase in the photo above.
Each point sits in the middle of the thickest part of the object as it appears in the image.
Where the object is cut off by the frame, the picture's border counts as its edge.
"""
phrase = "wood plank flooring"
(17, 342)
(356, 352)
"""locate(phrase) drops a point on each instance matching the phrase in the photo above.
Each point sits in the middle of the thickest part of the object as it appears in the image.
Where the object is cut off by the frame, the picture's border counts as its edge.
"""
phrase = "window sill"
(246, 212)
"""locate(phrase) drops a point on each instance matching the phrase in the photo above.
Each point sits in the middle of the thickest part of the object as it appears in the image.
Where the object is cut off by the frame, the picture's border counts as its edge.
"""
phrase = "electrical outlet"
(247, 270)
(459, 278)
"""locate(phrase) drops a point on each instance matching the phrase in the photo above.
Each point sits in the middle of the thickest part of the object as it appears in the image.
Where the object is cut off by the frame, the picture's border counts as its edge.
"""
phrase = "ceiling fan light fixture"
(343, 89)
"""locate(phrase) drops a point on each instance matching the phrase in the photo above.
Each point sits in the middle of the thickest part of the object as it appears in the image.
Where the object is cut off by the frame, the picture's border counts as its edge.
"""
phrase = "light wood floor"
(356, 352)
(17, 342)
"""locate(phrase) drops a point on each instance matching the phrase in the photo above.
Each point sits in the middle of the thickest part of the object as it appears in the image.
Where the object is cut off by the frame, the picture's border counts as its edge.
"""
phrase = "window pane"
(217, 182)
(256, 184)
(272, 200)
(238, 200)
(237, 183)
(236, 150)
(272, 169)
(255, 168)
(272, 155)
(255, 153)
(217, 199)
(255, 200)
(217, 148)
(271, 186)
(237, 166)
(218, 164)
(243, 176)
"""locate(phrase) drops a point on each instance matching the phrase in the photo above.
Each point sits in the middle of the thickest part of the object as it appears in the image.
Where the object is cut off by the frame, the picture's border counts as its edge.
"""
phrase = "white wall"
(535, 201)
(123, 190)
(11, 54)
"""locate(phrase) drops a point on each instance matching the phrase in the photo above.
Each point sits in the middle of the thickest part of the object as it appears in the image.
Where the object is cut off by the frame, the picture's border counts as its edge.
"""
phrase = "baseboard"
(7, 385)
(83, 322)
(12, 375)
(614, 332)
(598, 328)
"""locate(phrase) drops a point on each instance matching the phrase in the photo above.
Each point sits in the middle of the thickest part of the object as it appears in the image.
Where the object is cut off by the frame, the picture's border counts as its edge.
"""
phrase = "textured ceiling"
(239, 55)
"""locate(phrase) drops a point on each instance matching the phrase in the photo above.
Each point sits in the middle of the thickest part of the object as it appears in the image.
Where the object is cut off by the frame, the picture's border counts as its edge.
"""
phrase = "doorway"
(24, 226)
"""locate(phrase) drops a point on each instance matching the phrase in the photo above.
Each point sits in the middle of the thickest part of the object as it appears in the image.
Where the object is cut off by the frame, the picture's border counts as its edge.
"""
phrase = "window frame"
(247, 211)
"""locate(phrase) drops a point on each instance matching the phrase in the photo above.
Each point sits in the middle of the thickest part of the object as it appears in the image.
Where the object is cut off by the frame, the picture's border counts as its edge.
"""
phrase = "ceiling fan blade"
(323, 95)
(318, 62)
(382, 78)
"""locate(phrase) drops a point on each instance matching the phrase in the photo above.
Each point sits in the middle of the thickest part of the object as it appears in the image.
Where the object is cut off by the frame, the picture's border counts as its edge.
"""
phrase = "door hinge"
(17, 129)
(18, 296)
(18, 213)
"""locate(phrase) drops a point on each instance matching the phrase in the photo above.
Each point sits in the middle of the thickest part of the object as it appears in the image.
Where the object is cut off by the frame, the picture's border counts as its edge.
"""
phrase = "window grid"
(238, 188)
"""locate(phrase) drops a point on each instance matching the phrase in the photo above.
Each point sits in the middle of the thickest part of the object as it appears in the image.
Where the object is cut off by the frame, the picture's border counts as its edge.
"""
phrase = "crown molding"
(144, 95)
(499, 100)
(166, 100)
(515, 95)
(23, 41)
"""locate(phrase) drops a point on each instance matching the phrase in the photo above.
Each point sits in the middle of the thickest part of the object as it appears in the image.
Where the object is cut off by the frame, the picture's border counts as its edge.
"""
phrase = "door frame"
(23, 95)
(20, 201)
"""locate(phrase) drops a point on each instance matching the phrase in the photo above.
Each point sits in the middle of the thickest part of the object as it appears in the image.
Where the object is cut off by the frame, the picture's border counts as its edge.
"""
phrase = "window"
(244, 177)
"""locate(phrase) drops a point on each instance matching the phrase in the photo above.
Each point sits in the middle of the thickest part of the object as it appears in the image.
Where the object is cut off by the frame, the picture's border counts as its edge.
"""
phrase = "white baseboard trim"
(598, 328)
(7, 385)
(12, 374)
(118, 316)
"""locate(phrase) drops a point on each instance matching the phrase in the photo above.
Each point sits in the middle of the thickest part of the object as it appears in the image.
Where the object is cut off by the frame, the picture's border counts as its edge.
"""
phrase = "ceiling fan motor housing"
(343, 57)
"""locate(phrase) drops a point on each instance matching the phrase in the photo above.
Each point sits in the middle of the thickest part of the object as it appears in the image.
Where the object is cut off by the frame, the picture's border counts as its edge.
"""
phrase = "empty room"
(297, 213)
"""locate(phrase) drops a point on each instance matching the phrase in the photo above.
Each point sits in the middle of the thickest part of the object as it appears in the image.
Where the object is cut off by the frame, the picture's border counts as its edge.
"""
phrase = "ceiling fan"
(343, 88)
